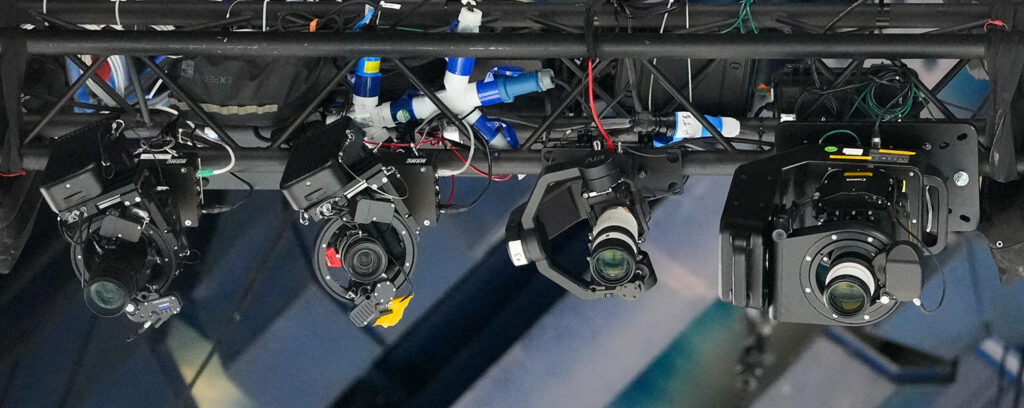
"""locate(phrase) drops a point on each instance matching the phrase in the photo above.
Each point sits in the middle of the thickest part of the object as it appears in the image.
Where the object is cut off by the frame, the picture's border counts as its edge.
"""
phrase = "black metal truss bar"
(582, 75)
(299, 120)
(75, 86)
(104, 86)
(503, 45)
(198, 110)
(671, 88)
(249, 160)
(513, 13)
(550, 119)
(140, 94)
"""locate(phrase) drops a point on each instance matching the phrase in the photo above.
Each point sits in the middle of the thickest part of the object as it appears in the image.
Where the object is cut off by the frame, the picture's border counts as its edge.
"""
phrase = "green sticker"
(403, 115)
(831, 149)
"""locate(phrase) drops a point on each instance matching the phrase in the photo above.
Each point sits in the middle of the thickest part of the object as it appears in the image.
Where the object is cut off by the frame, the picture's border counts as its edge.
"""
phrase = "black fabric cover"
(251, 91)
(1005, 62)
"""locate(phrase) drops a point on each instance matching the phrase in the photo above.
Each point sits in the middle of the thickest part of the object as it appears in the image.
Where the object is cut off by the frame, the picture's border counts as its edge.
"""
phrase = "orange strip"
(845, 157)
(312, 25)
(899, 152)
(858, 174)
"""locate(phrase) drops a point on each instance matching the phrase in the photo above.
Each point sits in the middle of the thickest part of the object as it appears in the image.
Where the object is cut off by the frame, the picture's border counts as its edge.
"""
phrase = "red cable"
(593, 109)
(472, 167)
(20, 173)
(451, 193)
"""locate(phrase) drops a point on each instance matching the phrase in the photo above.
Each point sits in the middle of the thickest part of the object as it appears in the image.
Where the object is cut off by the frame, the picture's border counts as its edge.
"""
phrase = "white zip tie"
(44, 6)
(650, 83)
(117, 12)
(689, 65)
(265, 14)
(228, 15)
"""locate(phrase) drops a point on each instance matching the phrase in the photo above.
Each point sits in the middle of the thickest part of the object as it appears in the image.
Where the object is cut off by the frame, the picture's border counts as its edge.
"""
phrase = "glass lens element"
(107, 295)
(846, 298)
(613, 264)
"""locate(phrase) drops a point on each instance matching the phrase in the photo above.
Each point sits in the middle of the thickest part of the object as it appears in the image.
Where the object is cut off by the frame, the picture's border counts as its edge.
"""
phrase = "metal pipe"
(502, 45)
(299, 120)
(75, 86)
(952, 73)
(935, 101)
(960, 27)
(850, 68)
(717, 134)
(600, 92)
(104, 86)
(140, 94)
(512, 15)
(223, 135)
(249, 160)
(548, 120)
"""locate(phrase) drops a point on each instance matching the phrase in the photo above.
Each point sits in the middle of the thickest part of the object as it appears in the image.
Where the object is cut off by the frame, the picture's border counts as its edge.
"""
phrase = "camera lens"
(365, 259)
(106, 297)
(847, 296)
(613, 264)
(613, 252)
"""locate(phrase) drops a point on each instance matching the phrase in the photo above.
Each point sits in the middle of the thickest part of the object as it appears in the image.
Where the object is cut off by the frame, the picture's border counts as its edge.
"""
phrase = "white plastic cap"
(730, 127)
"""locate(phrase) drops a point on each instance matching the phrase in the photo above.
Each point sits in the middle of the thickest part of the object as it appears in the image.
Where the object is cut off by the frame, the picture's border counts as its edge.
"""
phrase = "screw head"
(188, 223)
(961, 179)
(426, 223)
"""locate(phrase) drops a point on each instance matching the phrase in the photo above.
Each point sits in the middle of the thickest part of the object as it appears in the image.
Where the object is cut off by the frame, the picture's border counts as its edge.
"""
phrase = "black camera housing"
(568, 193)
(786, 214)
(772, 258)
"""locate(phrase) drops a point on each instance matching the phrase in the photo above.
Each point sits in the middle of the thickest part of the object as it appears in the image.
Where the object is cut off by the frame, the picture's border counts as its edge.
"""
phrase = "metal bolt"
(834, 237)
(866, 317)
(961, 178)
(138, 199)
(911, 174)
(423, 169)
(67, 186)
(807, 258)
(182, 170)
(871, 239)
(426, 223)
(807, 290)
(885, 299)
(188, 223)
(999, 244)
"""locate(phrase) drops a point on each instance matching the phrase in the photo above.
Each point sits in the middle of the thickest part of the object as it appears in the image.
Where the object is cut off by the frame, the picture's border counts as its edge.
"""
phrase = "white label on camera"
(516, 252)
(851, 151)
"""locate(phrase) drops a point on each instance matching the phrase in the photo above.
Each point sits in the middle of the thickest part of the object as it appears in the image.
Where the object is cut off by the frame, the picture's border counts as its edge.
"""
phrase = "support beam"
(511, 13)
(503, 45)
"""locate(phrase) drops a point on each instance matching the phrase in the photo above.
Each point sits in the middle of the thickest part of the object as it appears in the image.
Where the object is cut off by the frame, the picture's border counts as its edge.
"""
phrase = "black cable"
(842, 14)
(455, 209)
(398, 21)
(931, 255)
(225, 208)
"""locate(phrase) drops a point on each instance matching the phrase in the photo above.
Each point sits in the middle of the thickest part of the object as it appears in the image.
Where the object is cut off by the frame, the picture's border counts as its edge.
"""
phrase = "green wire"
(840, 131)
(743, 14)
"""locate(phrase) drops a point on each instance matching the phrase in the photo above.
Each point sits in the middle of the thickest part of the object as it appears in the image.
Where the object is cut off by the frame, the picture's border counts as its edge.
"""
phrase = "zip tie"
(265, 14)
(229, 8)
(44, 6)
(117, 12)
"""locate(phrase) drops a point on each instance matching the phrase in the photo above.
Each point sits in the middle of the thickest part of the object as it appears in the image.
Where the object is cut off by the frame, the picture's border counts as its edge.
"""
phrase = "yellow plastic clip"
(394, 313)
